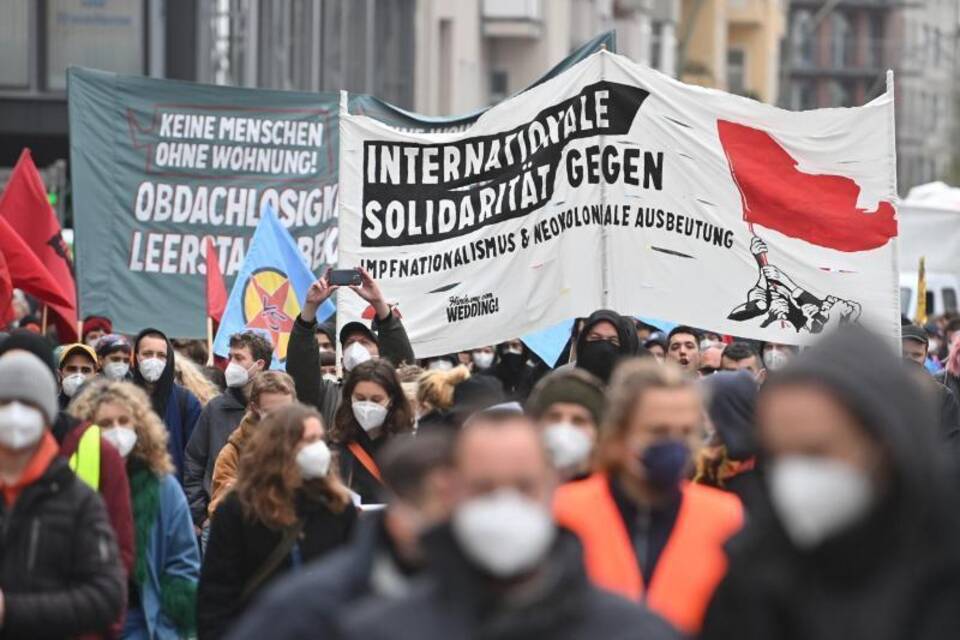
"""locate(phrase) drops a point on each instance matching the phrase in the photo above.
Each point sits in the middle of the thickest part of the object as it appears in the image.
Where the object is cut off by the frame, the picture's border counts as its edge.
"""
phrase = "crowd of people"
(647, 485)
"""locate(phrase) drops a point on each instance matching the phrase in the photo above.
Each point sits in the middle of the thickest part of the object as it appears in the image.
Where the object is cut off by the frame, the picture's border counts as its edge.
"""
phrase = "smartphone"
(345, 278)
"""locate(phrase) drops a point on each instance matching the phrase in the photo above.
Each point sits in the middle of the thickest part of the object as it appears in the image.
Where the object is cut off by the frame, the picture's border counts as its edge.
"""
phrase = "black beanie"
(22, 339)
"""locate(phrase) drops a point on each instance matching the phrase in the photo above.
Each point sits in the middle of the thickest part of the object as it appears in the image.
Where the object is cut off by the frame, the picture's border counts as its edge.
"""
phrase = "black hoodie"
(600, 358)
(894, 575)
(177, 407)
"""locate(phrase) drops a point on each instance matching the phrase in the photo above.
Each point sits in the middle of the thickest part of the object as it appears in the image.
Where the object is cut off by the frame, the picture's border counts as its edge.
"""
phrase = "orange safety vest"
(691, 565)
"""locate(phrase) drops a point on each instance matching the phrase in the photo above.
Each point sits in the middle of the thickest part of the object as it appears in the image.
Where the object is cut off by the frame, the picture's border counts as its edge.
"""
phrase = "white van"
(942, 291)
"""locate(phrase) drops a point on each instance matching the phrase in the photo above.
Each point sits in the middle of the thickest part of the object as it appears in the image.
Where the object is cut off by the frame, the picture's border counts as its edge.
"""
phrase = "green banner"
(159, 166)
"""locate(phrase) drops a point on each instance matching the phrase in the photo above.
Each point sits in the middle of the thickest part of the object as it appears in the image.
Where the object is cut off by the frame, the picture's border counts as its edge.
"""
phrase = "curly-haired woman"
(163, 586)
(287, 507)
(373, 409)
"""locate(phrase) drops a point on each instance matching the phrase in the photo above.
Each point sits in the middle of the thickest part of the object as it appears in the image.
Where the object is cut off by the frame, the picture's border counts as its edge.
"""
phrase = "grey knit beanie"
(24, 377)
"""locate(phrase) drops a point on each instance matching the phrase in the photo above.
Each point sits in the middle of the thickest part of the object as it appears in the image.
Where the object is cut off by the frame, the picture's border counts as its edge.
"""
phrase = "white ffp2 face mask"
(313, 460)
(355, 354)
(370, 415)
(72, 383)
(504, 533)
(116, 370)
(152, 368)
(122, 439)
(483, 359)
(817, 497)
(21, 425)
(775, 359)
(568, 445)
(236, 375)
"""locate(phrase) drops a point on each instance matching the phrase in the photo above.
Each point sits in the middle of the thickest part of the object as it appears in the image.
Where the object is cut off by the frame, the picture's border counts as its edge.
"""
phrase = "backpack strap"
(283, 548)
(365, 459)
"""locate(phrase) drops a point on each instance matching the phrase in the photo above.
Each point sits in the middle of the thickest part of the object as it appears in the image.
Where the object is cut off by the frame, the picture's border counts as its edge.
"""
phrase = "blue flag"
(269, 290)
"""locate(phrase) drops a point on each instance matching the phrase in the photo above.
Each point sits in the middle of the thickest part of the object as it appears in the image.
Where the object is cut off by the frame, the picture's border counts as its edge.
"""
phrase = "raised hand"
(317, 294)
(369, 290)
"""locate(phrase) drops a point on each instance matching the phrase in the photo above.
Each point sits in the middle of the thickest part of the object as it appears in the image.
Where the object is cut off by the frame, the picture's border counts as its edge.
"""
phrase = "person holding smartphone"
(386, 337)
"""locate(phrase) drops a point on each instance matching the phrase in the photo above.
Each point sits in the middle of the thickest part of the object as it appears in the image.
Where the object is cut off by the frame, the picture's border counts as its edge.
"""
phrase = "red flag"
(26, 270)
(821, 209)
(25, 206)
(6, 293)
(216, 290)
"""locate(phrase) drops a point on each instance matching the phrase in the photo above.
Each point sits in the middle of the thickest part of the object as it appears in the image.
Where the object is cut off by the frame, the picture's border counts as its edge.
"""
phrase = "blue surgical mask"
(665, 463)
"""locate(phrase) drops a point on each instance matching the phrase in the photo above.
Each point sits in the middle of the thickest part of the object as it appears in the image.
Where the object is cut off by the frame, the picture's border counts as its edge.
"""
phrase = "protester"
(409, 377)
(178, 408)
(191, 349)
(775, 356)
(78, 365)
(249, 353)
(649, 535)
(605, 339)
(950, 376)
(482, 358)
(383, 559)
(435, 396)
(914, 343)
(683, 348)
(728, 461)
(476, 393)
(568, 407)
(287, 508)
(740, 355)
(325, 337)
(515, 366)
(359, 343)
(440, 363)
(711, 359)
(501, 568)
(656, 344)
(373, 411)
(71, 583)
(94, 328)
(269, 392)
(193, 378)
(857, 537)
(161, 595)
(113, 353)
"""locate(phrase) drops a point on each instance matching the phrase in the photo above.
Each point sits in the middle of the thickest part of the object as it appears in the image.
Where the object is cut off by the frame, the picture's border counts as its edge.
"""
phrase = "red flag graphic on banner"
(25, 206)
(821, 209)
(216, 290)
(26, 270)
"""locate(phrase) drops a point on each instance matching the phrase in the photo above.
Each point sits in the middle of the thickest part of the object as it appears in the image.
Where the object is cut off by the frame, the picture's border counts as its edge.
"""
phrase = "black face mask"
(599, 358)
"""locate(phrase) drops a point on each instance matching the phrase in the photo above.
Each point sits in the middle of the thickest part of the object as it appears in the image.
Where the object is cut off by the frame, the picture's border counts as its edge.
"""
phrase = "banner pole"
(79, 329)
(209, 341)
(43, 322)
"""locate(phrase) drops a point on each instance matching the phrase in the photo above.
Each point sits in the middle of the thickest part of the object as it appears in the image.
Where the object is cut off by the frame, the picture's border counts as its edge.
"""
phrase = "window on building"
(841, 41)
(803, 39)
(499, 83)
(736, 70)
(15, 44)
(103, 35)
(841, 94)
(656, 37)
(949, 299)
(803, 95)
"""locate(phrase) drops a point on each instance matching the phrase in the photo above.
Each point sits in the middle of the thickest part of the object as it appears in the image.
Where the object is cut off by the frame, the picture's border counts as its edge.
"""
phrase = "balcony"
(512, 18)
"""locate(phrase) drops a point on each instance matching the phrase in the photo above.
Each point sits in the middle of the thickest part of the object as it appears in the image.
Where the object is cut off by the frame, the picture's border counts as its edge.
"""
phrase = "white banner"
(614, 186)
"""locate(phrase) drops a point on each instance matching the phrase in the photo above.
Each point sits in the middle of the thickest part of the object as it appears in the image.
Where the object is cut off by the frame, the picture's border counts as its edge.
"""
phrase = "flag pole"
(43, 322)
(209, 341)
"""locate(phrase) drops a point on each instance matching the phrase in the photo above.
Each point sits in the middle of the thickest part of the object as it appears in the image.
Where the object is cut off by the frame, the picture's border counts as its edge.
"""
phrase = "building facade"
(733, 45)
(838, 53)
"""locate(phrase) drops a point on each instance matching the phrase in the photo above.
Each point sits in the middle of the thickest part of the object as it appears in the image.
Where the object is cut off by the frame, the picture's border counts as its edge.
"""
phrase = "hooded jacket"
(177, 407)
(626, 331)
(893, 575)
(458, 601)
